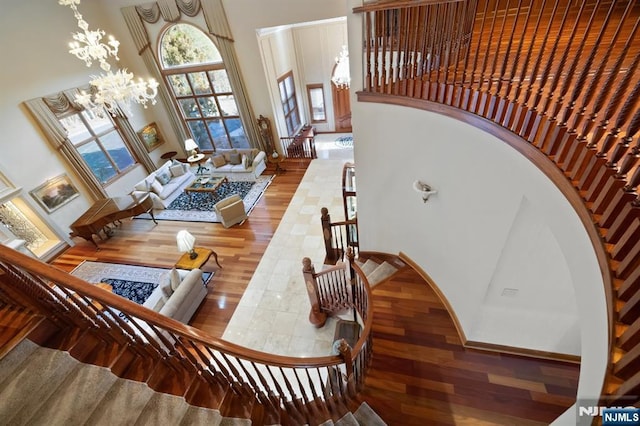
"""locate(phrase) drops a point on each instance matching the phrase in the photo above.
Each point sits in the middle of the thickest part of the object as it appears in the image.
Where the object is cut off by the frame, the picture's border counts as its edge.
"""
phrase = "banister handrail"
(69, 300)
(573, 99)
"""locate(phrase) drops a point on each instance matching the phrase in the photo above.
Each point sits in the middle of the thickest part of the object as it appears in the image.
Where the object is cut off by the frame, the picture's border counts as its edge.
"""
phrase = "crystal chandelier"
(109, 90)
(341, 76)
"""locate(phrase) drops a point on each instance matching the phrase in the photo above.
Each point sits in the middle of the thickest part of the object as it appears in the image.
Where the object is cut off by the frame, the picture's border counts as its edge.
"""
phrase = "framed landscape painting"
(150, 135)
(55, 193)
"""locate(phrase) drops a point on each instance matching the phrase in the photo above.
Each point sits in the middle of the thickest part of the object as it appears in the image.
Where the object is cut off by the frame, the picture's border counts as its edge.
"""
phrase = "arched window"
(193, 69)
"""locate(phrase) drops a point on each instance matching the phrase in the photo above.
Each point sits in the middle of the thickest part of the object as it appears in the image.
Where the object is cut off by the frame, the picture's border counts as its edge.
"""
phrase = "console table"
(203, 255)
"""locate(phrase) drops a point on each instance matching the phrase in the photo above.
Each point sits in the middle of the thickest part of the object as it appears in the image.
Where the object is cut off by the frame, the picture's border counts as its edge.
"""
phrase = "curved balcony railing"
(559, 75)
(175, 358)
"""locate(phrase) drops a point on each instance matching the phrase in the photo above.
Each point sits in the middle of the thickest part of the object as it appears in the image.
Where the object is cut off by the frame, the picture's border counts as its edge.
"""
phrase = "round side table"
(169, 155)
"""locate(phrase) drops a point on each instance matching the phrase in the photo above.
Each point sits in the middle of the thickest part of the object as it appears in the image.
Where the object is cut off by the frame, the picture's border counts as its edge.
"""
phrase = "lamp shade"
(190, 145)
(185, 241)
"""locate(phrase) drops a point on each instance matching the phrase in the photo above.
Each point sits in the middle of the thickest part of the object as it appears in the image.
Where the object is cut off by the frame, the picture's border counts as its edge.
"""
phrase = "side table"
(276, 160)
(185, 261)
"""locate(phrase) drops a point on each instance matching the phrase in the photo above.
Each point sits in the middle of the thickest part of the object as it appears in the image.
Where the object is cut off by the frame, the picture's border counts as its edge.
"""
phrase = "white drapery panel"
(57, 136)
(133, 18)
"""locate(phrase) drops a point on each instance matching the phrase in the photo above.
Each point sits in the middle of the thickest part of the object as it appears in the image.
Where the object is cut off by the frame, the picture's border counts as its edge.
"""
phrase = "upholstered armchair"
(230, 210)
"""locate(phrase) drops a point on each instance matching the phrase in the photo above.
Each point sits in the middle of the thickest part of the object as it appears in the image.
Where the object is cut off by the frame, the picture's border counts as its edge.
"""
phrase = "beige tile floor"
(272, 316)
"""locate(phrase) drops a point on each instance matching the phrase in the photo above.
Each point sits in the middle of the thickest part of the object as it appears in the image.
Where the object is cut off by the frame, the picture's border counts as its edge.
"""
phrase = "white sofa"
(183, 301)
(165, 184)
(248, 163)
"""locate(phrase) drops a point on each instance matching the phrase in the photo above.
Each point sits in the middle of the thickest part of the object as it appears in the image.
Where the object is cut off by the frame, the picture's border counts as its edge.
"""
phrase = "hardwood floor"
(239, 248)
(420, 372)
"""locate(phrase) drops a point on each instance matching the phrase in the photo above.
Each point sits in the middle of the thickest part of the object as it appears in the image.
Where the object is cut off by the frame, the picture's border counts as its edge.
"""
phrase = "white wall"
(37, 63)
(496, 222)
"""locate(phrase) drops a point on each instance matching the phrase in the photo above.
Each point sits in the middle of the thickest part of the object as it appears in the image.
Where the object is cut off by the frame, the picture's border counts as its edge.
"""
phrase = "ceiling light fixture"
(341, 74)
(109, 90)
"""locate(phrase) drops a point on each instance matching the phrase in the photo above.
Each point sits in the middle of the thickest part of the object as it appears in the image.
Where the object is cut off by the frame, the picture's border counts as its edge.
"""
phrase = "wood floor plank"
(420, 372)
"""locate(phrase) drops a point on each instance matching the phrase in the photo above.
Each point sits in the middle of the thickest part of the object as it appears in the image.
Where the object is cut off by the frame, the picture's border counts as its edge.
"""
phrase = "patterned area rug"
(345, 141)
(199, 206)
(136, 283)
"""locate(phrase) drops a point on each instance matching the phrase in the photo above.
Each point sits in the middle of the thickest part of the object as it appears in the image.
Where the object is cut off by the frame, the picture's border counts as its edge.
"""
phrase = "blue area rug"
(199, 206)
(132, 290)
(345, 141)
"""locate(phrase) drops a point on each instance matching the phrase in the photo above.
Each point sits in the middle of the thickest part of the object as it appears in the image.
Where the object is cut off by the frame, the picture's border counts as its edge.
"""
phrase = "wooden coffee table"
(208, 185)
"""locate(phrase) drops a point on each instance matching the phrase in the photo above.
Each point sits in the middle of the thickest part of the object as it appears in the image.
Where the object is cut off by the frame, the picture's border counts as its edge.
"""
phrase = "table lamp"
(186, 241)
(190, 145)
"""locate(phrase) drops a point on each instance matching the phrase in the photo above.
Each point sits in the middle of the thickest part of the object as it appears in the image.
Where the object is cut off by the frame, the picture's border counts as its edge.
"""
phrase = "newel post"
(316, 316)
(326, 233)
(347, 357)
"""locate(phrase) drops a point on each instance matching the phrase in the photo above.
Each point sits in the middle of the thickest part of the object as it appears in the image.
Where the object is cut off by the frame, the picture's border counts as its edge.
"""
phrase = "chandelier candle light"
(341, 74)
(109, 89)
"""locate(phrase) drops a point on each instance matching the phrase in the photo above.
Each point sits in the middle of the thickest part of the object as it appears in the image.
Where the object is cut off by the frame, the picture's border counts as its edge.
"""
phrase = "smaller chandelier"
(341, 75)
(112, 89)
(88, 45)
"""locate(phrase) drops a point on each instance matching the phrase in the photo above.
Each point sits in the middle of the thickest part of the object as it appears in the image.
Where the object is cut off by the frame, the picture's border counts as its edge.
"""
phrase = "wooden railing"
(560, 77)
(175, 358)
(338, 237)
(301, 145)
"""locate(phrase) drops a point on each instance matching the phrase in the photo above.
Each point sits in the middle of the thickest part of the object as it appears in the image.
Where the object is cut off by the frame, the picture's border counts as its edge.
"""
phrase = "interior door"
(341, 108)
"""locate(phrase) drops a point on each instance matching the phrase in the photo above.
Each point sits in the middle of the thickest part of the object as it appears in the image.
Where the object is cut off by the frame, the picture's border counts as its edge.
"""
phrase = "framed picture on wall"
(150, 135)
(55, 193)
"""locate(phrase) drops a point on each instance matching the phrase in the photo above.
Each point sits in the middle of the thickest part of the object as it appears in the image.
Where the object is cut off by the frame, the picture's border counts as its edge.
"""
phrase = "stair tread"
(122, 404)
(163, 409)
(369, 266)
(76, 397)
(201, 416)
(12, 361)
(366, 416)
(347, 420)
(24, 392)
(231, 421)
(384, 270)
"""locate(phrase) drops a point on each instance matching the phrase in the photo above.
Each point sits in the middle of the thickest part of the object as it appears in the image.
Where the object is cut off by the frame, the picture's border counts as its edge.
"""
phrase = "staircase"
(41, 386)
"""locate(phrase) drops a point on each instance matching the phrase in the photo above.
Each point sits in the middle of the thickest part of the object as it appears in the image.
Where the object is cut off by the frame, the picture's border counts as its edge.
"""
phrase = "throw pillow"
(245, 161)
(175, 279)
(164, 177)
(219, 161)
(235, 158)
(176, 170)
(156, 187)
(141, 186)
(165, 284)
(250, 157)
(167, 291)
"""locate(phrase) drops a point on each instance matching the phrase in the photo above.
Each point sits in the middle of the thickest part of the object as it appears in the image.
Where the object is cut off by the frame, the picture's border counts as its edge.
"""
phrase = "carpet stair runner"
(41, 386)
(377, 270)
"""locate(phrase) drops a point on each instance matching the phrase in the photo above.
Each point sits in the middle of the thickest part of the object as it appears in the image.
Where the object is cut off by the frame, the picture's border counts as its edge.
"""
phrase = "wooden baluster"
(597, 184)
(520, 109)
(586, 160)
(567, 151)
(615, 100)
(386, 37)
(504, 113)
(557, 128)
(458, 85)
(618, 223)
(548, 120)
(379, 15)
(534, 117)
(420, 58)
(496, 110)
(316, 316)
(479, 99)
(428, 58)
(491, 94)
(466, 102)
(369, 35)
